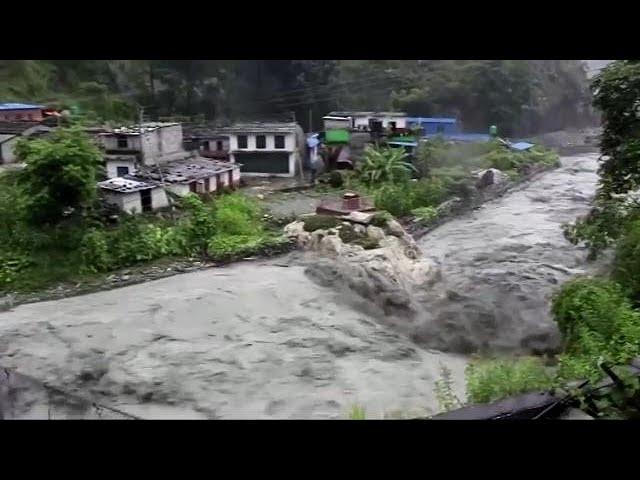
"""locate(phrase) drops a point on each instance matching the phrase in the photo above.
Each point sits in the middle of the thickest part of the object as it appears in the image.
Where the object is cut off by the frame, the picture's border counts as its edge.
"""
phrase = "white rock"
(376, 233)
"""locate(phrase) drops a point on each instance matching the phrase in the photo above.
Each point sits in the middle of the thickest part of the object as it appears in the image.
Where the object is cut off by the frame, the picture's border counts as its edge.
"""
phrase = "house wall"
(32, 115)
(7, 154)
(112, 166)
(289, 142)
(162, 144)
(337, 124)
(110, 142)
(127, 202)
(293, 167)
(361, 123)
(159, 198)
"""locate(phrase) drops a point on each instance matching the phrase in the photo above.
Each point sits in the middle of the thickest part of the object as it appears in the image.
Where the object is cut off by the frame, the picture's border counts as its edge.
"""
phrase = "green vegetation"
(357, 413)
(53, 229)
(490, 380)
(319, 222)
(384, 165)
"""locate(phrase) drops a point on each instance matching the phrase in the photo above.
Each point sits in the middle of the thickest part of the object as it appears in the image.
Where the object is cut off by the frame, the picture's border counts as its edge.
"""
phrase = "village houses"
(145, 161)
(20, 120)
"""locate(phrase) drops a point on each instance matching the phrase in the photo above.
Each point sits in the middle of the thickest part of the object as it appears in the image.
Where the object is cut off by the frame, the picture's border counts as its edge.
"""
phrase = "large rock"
(491, 176)
(386, 276)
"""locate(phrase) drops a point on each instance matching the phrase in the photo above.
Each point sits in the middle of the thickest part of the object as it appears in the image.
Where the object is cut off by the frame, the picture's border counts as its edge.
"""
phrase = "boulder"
(491, 176)
(375, 233)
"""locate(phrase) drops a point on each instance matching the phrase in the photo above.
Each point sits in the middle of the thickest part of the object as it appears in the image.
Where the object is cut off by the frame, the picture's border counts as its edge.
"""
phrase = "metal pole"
(310, 120)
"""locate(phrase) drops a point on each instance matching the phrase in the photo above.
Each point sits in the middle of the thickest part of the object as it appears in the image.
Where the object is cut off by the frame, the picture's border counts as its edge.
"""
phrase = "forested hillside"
(521, 97)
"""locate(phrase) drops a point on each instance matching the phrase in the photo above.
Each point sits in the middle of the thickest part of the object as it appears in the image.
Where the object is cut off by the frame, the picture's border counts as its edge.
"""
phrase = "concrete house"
(208, 141)
(147, 189)
(266, 149)
(11, 132)
(361, 120)
(146, 144)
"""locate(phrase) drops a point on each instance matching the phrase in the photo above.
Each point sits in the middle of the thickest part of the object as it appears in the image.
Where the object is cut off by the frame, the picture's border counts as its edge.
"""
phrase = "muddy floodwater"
(262, 340)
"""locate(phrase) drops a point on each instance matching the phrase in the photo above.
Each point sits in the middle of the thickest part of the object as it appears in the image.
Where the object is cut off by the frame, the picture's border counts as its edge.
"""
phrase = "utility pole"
(310, 120)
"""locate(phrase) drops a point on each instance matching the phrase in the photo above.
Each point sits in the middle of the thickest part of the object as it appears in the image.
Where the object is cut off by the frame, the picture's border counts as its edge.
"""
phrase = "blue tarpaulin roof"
(431, 120)
(521, 146)
(18, 106)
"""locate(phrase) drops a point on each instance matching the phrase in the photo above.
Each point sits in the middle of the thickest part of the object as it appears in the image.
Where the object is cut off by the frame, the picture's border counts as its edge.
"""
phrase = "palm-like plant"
(384, 165)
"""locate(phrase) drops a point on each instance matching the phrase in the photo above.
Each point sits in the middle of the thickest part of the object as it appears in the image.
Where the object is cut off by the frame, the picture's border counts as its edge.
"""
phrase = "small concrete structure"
(360, 120)
(10, 133)
(145, 191)
(21, 112)
(350, 202)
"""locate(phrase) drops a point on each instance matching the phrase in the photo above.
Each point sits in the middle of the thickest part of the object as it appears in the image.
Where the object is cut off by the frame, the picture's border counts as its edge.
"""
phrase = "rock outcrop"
(386, 275)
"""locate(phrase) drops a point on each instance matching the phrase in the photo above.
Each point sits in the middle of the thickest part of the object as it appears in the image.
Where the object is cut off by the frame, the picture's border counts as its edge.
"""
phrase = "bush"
(236, 214)
(626, 267)
(11, 264)
(335, 179)
(384, 165)
(504, 159)
(380, 219)
(319, 222)
(590, 305)
(428, 192)
(492, 380)
(425, 214)
(395, 199)
(95, 252)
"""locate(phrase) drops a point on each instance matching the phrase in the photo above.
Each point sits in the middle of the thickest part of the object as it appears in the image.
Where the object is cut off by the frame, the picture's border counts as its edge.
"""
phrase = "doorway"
(145, 200)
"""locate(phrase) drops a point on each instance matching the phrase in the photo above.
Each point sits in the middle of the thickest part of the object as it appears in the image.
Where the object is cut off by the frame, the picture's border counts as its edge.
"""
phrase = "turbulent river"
(262, 340)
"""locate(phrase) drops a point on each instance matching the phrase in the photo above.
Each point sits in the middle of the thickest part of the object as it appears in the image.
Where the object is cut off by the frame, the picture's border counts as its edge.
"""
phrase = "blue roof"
(431, 120)
(521, 146)
(18, 106)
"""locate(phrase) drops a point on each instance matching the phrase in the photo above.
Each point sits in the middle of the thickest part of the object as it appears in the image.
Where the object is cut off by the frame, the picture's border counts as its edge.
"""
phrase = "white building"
(127, 148)
(144, 191)
(266, 149)
(11, 132)
(360, 120)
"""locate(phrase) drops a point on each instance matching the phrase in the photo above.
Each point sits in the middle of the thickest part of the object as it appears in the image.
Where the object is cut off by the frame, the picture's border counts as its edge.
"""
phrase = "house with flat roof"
(266, 149)
(362, 120)
(146, 190)
(21, 112)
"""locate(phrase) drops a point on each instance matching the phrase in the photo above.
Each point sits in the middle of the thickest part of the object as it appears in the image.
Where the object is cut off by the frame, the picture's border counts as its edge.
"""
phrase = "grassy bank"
(88, 249)
(441, 171)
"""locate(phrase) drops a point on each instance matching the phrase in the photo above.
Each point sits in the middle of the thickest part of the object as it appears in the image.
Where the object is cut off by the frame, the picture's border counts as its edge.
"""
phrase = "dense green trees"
(521, 97)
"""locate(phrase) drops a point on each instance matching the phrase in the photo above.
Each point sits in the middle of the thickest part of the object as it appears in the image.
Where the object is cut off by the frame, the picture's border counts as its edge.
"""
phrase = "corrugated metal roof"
(431, 120)
(16, 128)
(126, 185)
(404, 144)
(367, 114)
(18, 106)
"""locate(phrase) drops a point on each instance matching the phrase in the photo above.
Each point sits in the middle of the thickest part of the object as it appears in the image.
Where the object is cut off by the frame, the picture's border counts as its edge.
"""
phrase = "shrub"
(384, 165)
(491, 380)
(428, 192)
(395, 199)
(95, 252)
(319, 222)
(504, 159)
(236, 214)
(626, 267)
(335, 179)
(590, 305)
(380, 219)
(11, 264)
(425, 214)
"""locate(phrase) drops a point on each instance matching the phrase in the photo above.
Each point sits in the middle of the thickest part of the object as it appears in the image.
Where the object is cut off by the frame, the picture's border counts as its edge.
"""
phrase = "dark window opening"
(242, 141)
(122, 143)
(193, 187)
(219, 145)
(205, 145)
(279, 141)
(206, 185)
(122, 171)
(145, 199)
(261, 141)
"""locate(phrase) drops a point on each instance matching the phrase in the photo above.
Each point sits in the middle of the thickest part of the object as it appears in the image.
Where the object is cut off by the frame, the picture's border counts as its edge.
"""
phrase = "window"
(122, 171)
(122, 142)
(205, 145)
(242, 141)
(219, 145)
(279, 141)
(261, 141)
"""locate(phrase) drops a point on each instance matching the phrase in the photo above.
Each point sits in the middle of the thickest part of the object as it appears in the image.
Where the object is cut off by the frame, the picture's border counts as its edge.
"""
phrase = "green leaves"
(384, 165)
(60, 175)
